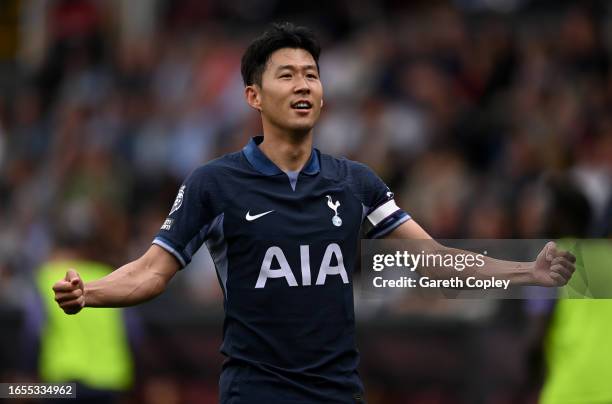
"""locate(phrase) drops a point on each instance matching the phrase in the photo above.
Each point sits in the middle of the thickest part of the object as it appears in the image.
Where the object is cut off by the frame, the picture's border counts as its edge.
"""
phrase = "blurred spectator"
(91, 350)
(578, 359)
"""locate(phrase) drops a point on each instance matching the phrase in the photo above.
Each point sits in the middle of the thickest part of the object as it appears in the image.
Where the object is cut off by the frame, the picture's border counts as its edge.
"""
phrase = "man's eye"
(312, 76)
(286, 75)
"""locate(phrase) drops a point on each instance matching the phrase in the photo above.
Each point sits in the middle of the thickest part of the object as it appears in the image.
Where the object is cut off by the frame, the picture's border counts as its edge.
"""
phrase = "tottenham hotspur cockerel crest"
(334, 206)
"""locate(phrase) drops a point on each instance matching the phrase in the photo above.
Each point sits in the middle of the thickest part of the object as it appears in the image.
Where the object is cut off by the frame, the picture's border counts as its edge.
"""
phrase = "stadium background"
(469, 109)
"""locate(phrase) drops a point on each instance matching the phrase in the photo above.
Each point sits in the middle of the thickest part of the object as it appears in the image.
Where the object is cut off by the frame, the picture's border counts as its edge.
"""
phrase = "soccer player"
(282, 222)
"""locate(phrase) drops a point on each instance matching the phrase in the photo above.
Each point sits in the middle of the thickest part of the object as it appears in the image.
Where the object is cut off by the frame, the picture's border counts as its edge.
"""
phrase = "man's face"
(290, 95)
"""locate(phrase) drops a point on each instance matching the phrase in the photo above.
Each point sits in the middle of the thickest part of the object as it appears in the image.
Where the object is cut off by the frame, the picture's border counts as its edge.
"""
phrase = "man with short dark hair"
(282, 222)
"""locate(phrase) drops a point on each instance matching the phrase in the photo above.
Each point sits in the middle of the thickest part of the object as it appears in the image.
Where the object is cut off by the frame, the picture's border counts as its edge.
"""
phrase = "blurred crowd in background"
(478, 114)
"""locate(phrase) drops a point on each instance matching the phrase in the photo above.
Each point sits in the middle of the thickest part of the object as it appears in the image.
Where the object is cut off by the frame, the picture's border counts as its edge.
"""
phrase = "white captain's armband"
(384, 218)
(382, 212)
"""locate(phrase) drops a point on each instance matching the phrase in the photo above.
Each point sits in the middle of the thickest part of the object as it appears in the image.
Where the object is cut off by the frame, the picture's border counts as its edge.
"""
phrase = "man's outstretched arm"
(552, 267)
(133, 283)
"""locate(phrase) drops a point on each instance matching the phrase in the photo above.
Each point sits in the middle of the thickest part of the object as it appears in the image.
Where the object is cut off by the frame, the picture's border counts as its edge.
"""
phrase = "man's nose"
(301, 85)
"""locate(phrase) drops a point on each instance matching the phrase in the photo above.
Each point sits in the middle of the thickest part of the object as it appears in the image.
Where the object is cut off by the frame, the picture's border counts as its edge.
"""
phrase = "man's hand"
(69, 293)
(553, 267)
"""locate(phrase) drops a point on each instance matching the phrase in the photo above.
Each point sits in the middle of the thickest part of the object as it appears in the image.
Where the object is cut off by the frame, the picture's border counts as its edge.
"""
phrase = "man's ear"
(253, 96)
(321, 102)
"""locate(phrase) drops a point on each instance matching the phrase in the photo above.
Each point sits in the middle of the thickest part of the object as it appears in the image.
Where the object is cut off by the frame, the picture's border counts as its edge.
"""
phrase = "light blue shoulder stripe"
(163, 244)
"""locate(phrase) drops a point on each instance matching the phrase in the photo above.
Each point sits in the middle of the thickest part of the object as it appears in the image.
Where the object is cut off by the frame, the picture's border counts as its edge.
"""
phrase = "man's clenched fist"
(553, 267)
(69, 293)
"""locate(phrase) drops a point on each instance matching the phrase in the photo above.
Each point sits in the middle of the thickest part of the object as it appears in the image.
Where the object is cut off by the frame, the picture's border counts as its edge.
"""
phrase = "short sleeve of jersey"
(381, 213)
(190, 219)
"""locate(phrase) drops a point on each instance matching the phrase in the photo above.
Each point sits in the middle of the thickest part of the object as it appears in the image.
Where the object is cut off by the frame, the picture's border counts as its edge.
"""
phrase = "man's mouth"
(301, 105)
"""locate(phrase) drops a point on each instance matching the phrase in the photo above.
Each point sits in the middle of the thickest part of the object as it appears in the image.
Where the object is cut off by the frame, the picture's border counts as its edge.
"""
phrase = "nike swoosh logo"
(255, 217)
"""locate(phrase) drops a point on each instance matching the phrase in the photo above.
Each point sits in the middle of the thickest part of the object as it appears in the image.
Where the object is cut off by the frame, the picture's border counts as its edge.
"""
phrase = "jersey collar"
(264, 165)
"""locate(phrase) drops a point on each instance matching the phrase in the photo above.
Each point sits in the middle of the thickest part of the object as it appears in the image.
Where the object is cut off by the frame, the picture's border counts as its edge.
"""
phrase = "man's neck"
(290, 152)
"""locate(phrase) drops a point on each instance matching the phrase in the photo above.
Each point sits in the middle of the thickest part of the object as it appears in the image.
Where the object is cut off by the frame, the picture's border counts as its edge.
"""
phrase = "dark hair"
(283, 35)
(570, 212)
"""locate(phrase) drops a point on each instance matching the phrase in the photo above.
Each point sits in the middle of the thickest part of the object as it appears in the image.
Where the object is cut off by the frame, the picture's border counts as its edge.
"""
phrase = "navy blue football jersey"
(284, 247)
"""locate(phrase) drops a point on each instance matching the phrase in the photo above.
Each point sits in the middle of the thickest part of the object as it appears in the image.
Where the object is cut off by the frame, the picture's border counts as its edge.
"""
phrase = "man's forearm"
(551, 268)
(125, 286)
(518, 273)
